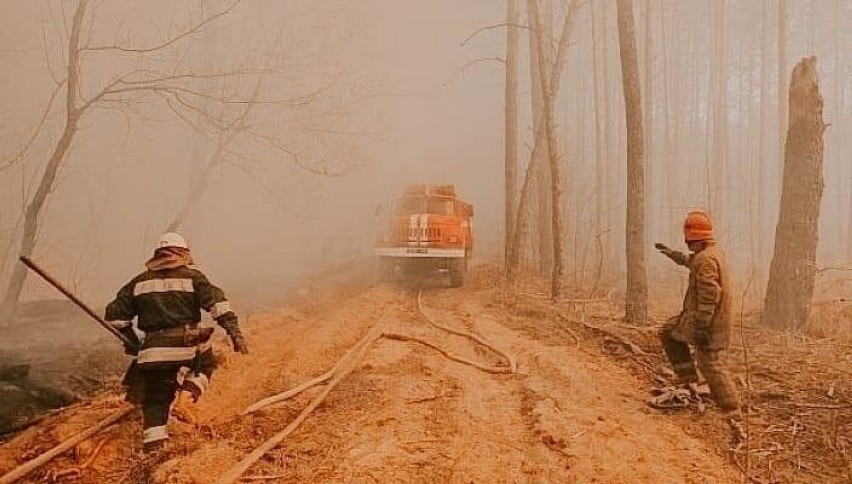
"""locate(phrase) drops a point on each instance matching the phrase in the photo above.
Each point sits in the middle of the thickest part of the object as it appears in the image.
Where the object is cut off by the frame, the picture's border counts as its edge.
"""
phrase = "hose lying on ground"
(266, 402)
(64, 446)
(511, 368)
(449, 356)
(509, 359)
(233, 475)
(343, 367)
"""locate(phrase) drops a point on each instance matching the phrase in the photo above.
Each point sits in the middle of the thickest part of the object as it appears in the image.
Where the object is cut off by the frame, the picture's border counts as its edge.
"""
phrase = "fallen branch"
(63, 447)
(94, 455)
(633, 347)
(826, 406)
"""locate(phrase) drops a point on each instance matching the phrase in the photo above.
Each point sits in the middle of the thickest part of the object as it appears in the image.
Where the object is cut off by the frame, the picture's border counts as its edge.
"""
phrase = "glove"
(239, 343)
(702, 336)
(230, 325)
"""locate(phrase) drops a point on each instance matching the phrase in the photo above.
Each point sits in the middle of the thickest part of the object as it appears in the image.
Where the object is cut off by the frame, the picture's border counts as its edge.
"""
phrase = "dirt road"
(406, 413)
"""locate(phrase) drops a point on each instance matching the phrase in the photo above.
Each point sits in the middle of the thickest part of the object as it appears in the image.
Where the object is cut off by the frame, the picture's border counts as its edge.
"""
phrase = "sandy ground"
(406, 414)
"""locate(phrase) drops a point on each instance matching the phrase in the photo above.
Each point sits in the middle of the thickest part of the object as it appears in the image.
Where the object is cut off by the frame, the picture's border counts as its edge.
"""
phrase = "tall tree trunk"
(675, 83)
(793, 269)
(782, 76)
(555, 76)
(45, 186)
(609, 242)
(654, 195)
(541, 55)
(548, 101)
(719, 76)
(599, 91)
(196, 192)
(637, 285)
(511, 124)
(762, 158)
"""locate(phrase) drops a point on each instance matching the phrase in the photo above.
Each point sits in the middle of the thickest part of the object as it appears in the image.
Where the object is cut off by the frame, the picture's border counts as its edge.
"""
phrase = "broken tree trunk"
(637, 285)
(793, 268)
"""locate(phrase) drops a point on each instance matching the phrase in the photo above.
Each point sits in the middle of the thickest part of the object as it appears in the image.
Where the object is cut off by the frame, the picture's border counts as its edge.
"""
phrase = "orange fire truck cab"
(430, 230)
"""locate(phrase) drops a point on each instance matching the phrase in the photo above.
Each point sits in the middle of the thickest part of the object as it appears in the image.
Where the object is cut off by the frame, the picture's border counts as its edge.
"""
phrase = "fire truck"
(429, 229)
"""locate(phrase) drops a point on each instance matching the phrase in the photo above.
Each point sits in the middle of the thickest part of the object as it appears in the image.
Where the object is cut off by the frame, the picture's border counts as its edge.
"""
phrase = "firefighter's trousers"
(712, 363)
(155, 387)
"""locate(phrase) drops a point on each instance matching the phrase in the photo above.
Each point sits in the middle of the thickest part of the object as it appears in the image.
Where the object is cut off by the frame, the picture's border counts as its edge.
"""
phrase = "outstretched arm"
(678, 257)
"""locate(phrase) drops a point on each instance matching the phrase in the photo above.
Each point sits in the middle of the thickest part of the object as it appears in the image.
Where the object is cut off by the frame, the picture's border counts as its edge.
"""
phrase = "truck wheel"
(458, 272)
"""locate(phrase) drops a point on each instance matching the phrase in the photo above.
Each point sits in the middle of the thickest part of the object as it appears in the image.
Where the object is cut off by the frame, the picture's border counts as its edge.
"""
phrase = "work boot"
(153, 455)
(670, 398)
(154, 448)
(195, 385)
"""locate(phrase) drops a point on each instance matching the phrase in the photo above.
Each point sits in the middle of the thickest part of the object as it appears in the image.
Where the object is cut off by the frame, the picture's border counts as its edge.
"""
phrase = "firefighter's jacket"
(167, 304)
(707, 302)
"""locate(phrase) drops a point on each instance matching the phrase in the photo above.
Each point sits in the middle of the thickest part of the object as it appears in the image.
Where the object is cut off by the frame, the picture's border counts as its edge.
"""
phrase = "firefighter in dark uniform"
(175, 353)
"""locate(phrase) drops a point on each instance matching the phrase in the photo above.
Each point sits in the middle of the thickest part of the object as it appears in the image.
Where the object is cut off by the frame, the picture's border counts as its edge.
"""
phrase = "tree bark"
(793, 268)
(782, 75)
(511, 124)
(599, 90)
(637, 285)
(762, 158)
(541, 55)
(719, 77)
(651, 178)
(548, 100)
(36, 206)
(555, 76)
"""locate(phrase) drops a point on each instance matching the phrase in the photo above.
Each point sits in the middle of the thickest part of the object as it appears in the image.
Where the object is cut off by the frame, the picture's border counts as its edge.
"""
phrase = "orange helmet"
(698, 227)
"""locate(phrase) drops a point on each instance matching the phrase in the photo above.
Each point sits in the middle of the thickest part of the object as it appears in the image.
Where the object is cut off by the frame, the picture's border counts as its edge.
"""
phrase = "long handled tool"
(53, 282)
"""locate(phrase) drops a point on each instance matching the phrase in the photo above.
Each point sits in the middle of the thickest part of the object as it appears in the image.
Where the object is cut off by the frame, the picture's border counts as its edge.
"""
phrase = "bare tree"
(637, 284)
(762, 158)
(179, 89)
(793, 269)
(554, 74)
(511, 123)
(541, 54)
(601, 146)
(719, 77)
(551, 135)
(782, 74)
(200, 183)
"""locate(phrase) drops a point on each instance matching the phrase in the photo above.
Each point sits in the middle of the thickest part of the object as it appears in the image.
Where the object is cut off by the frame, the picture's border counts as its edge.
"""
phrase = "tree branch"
(12, 161)
(470, 64)
(490, 27)
(198, 26)
(278, 146)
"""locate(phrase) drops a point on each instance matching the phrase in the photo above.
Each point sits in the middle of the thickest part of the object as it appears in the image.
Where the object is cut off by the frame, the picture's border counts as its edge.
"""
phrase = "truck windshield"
(436, 205)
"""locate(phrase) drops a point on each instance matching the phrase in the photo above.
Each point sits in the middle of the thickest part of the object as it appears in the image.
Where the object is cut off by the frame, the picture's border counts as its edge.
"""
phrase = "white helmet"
(171, 239)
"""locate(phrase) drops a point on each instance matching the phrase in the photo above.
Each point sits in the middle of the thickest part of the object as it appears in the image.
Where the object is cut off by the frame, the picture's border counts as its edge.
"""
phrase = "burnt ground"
(52, 356)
